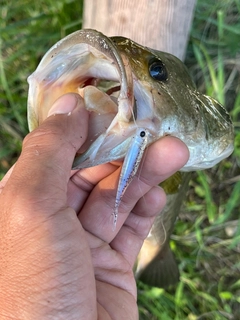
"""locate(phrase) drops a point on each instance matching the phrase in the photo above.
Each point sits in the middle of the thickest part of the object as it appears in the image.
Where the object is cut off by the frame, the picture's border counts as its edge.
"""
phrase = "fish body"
(156, 264)
(126, 86)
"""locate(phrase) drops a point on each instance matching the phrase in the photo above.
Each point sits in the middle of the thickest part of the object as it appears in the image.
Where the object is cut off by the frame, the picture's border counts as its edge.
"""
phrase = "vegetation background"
(206, 239)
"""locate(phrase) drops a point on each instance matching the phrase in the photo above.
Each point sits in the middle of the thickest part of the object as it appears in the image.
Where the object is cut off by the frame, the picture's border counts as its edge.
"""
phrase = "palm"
(115, 286)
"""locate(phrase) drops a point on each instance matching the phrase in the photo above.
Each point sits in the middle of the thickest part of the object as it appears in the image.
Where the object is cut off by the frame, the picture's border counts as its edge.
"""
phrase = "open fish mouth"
(88, 63)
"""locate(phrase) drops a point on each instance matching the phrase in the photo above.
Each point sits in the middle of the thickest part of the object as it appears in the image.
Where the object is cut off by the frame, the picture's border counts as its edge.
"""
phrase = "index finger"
(159, 163)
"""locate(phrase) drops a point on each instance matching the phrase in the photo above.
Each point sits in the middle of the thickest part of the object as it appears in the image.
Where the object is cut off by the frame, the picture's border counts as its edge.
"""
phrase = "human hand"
(59, 255)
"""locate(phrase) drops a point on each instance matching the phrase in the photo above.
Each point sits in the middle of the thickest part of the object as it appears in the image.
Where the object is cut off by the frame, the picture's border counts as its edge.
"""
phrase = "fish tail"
(162, 271)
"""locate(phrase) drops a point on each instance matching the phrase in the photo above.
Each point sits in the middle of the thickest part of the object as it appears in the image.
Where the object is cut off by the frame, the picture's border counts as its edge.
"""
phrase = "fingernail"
(64, 105)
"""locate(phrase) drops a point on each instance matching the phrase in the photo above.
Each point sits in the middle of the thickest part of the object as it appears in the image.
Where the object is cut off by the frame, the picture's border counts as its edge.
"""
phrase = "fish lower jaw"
(111, 145)
(207, 159)
(109, 127)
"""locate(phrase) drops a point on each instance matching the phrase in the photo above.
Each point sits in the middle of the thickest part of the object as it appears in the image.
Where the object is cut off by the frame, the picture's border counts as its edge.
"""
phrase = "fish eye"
(157, 70)
(142, 134)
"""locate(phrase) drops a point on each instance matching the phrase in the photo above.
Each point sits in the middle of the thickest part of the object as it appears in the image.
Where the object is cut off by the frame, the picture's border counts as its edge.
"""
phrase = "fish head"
(126, 86)
(168, 103)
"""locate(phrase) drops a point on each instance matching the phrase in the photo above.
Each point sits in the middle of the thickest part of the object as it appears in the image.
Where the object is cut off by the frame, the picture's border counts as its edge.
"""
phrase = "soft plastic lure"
(130, 165)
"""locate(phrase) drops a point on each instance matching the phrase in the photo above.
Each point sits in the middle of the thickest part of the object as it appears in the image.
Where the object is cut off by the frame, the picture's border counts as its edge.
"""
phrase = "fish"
(135, 95)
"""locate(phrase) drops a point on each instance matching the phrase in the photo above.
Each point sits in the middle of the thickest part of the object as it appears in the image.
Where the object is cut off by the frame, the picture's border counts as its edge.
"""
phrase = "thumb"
(40, 253)
(43, 168)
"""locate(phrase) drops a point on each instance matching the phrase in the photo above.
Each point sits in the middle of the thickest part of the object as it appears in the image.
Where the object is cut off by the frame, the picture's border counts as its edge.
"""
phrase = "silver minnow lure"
(130, 165)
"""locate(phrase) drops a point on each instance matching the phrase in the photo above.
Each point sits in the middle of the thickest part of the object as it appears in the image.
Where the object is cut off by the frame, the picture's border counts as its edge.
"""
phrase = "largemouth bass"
(135, 96)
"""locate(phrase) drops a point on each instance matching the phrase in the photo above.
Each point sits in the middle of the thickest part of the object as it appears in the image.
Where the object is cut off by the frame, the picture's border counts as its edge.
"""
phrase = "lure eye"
(142, 134)
(157, 70)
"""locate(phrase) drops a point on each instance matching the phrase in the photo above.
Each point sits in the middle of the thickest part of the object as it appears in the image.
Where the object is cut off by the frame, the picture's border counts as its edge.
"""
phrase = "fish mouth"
(96, 70)
(113, 120)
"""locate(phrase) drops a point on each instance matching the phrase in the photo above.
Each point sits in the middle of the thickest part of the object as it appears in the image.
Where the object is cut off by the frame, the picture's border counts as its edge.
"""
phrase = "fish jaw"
(113, 143)
(76, 64)
(76, 60)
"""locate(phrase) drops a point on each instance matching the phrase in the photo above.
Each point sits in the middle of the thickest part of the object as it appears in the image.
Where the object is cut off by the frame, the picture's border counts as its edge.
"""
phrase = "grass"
(207, 235)
(20, 52)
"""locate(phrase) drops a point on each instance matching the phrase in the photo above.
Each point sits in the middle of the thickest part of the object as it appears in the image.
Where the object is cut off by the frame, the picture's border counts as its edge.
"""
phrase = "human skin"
(60, 257)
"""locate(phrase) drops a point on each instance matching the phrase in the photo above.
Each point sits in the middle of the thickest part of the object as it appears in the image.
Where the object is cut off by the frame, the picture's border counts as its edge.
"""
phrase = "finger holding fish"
(99, 223)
